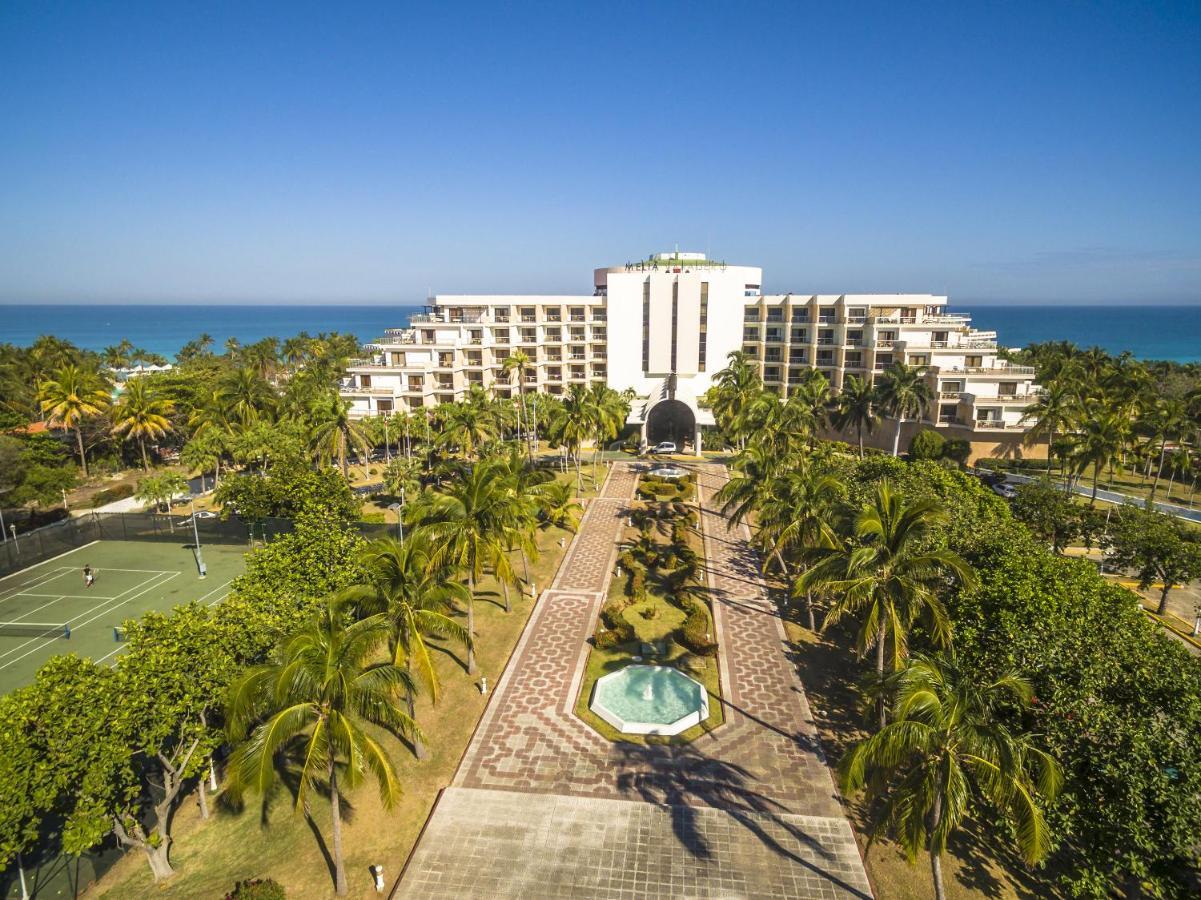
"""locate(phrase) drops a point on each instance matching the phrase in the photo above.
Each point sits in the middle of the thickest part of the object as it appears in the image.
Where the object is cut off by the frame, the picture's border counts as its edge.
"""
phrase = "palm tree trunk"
(418, 745)
(1050, 442)
(1163, 449)
(342, 456)
(471, 667)
(936, 858)
(880, 703)
(1096, 475)
(896, 438)
(859, 428)
(335, 808)
(145, 460)
(504, 586)
(83, 459)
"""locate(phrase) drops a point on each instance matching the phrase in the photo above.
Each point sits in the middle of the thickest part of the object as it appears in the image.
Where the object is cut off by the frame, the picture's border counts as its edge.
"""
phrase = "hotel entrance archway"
(671, 420)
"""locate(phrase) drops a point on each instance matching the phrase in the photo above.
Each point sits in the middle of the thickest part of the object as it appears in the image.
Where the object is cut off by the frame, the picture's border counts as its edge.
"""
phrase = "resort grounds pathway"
(543, 806)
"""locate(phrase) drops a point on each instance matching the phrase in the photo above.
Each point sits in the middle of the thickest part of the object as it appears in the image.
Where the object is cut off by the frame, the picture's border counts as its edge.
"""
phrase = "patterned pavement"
(763, 768)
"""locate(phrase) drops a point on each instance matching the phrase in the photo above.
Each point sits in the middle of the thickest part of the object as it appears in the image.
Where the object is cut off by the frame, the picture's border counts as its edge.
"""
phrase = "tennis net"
(35, 629)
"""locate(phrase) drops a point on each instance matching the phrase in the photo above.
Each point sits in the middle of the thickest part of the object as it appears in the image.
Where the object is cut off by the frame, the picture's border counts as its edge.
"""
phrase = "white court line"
(78, 596)
(64, 597)
(53, 558)
(219, 599)
(123, 645)
(120, 647)
(213, 591)
(39, 580)
(139, 571)
(93, 619)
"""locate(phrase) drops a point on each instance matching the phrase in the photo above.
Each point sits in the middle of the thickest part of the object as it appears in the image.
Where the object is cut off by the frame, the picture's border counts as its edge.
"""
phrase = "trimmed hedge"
(109, 495)
(696, 632)
(257, 889)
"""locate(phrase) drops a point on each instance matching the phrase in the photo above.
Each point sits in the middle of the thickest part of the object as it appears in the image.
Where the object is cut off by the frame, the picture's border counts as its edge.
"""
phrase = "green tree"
(927, 444)
(947, 750)
(856, 408)
(1050, 513)
(159, 489)
(246, 397)
(1099, 441)
(72, 395)
(417, 594)
(882, 572)
(904, 394)
(311, 703)
(1053, 412)
(334, 432)
(1156, 548)
(142, 413)
(735, 388)
(203, 453)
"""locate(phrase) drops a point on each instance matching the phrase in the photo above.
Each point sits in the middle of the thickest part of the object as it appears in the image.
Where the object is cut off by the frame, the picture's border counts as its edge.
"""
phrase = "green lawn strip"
(211, 856)
(653, 620)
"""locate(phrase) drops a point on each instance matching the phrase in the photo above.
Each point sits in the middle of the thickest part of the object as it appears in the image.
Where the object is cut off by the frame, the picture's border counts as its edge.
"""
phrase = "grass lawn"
(653, 620)
(281, 844)
(977, 865)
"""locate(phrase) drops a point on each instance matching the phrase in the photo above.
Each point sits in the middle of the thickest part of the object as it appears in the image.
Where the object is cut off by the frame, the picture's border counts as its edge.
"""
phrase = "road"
(1180, 512)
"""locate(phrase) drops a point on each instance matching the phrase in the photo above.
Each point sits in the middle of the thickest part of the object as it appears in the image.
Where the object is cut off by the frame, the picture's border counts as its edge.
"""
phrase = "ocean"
(1148, 332)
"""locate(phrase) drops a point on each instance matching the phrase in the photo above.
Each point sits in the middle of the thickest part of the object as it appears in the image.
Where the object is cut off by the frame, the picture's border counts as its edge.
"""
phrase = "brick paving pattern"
(762, 768)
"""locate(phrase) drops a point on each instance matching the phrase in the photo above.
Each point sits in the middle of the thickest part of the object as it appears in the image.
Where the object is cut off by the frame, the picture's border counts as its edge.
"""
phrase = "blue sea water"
(165, 328)
(1148, 332)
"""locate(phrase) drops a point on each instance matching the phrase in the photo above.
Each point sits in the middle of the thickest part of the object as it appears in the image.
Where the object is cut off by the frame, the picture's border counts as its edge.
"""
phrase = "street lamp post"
(196, 535)
(398, 508)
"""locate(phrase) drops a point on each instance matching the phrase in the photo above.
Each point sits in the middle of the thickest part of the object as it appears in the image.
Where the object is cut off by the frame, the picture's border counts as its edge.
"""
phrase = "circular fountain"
(650, 700)
(671, 473)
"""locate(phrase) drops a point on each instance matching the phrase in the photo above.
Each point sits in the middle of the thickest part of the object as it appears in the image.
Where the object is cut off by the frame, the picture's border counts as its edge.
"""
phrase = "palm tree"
(142, 413)
(246, 397)
(856, 408)
(1101, 437)
(572, 425)
(736, 385)
(204, 452)
(947, 749)
(904, 393)
(472, 519)
(465, 425)
(1168, 420)
(70, 396)
(1052, 413)
(310, 703)
(334, 432)
(159, 489)
(415, 594)
(516, 363)
(607, 412)
(883, 572)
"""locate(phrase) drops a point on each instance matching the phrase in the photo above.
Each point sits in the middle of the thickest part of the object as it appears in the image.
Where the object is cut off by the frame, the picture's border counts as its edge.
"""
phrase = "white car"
(1008, 491)
(664, 447)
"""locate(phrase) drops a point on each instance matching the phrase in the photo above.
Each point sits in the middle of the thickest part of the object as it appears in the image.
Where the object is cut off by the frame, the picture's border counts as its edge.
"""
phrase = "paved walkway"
(748, 809)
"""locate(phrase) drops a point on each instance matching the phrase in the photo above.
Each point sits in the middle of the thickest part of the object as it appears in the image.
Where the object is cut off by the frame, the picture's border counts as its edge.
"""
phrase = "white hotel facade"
(663, 327)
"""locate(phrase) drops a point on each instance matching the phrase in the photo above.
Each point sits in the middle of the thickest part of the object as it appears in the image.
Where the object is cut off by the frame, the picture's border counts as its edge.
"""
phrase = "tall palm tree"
(1168, 420)
(141, 413)
(856, 408)
(334, 432)
(246, 397)
(472, 519)
(572, 425)
(945, 751)
(416, 594)
(904, 394)
(1053, 412)
(883, 572)
(1100, 439)
(310, 703)
(516, 364)
(735, 386)
(466, 425)
(71, 395)
(607, 412)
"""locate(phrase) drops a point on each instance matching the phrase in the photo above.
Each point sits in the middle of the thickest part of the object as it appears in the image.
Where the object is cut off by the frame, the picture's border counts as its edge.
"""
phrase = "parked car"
(199, 515)
(664, 447)
(1008, 491)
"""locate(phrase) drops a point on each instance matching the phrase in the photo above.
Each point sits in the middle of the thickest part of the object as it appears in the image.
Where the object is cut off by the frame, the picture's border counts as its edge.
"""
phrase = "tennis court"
(49, 601)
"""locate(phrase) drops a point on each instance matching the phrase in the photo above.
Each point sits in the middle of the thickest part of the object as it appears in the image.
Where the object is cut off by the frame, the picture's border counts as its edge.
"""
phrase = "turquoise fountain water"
(650, 700)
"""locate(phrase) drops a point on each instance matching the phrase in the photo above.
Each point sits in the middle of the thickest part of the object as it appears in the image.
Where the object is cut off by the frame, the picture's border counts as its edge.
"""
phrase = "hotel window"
(554, 314)
(675, 317)
(774, 334)
(772, 354)
(798, 356)
(598, 314)
(446, 360)
(577, 313)
(384, 405)
(854, 361)
(825, 336)
(796, 375)
(427, 337)
(501, 314)
(775, 314)
(825, 357)
(416, 383)
(751, 314)
(365, 381)
(446, 381)
(800, 316)
(475, 377)
(855, 338)
(529, 335)
(751, 351)
(1007, 389)
(554, 333)
(600, 371)
(554, 373)
(704, 326)
(750, 333)
(646, 325)
(883, 360)
(800, 335)
(476, 336)
(475, 358)
(919, 359)
(856, 313)
(771, 373)
(974, 362)
(554, 353)
(444, 398)
(750, 290)
(577, 332)
(577, 373)
(599, 333)
(500, 335)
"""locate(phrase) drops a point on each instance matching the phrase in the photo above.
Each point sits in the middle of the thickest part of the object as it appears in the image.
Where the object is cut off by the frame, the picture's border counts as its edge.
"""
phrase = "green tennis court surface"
(132, 577)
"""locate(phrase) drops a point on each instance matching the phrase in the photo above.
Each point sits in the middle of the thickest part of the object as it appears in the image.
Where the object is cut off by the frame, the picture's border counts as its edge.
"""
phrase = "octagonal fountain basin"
(650, 700)
(669, 472)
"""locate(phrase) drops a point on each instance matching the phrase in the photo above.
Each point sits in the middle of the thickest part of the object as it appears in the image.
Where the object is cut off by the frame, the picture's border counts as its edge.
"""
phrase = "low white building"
(663, 328)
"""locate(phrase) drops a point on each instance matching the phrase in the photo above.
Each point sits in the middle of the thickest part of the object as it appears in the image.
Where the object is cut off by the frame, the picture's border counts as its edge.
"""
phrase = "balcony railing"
(885, 345)
(999, 371)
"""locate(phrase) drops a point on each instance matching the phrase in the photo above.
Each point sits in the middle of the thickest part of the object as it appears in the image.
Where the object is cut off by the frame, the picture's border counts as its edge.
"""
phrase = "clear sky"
(290, 152)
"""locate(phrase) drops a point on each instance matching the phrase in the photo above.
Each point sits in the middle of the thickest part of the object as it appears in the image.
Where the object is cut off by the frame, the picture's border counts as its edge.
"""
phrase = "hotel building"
(663, 328)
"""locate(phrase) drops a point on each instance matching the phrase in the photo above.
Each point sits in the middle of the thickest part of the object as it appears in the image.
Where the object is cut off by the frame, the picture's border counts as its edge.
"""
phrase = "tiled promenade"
(542, 806)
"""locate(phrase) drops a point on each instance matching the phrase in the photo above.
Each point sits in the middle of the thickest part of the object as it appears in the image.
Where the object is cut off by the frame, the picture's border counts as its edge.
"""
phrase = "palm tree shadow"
(683, 779)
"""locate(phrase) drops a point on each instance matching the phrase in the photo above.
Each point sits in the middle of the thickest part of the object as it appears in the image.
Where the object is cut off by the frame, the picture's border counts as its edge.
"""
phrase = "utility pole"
(196, 535)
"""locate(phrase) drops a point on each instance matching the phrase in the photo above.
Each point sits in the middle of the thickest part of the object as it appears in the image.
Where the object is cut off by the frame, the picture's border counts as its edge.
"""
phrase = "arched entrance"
(670, 420)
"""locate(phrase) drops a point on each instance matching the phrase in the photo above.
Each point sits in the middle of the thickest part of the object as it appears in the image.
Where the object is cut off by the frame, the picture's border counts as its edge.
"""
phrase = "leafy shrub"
(374, 517)
(696, 632)
(108, 495)
(257, 889)
(927, 444)
(605, 639)
(958, 449)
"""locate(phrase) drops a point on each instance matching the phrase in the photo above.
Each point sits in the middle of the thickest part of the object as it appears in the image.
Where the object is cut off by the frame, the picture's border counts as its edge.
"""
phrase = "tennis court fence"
(42, 544)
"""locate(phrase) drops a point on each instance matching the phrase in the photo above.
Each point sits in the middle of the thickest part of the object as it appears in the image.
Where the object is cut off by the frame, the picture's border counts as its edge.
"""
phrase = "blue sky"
(1042, 152)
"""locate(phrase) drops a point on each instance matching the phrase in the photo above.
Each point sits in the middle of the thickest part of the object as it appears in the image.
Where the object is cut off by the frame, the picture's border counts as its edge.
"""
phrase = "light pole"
(387, 449)
(3, 530)
(398, 508)
(196, 535)
(66, 505)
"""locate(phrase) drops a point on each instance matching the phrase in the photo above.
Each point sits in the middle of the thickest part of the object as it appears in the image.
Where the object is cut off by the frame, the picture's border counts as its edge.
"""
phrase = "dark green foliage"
(1052, 515)
(108, 495)
(257, 889)
(957, 449)
(927, 444)
(666, 490)
(290, 490)
(696, 633)
(1156, 547)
